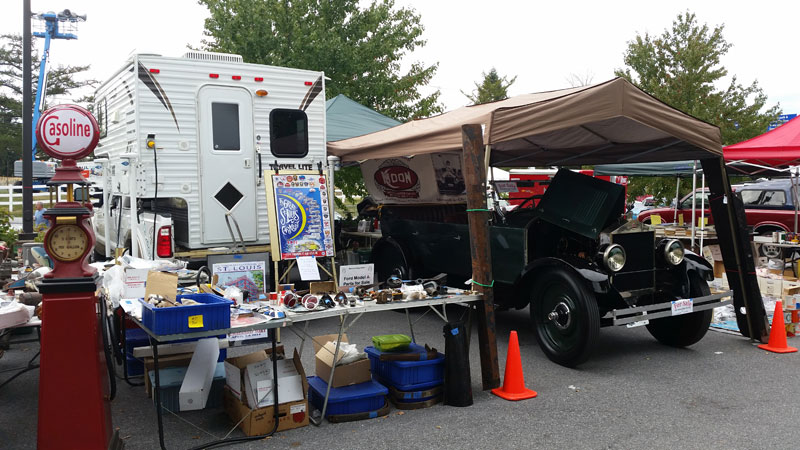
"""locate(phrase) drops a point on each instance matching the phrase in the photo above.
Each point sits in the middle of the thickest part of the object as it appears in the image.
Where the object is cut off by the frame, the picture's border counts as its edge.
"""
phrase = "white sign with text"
(356, 275)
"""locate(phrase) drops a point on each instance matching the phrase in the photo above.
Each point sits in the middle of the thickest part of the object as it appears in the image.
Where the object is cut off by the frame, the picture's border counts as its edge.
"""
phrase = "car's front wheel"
(687, 329)
(565, 317)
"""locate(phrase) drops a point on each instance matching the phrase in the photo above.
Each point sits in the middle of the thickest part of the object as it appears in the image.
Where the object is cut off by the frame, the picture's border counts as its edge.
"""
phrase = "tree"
(491, 89)
(61, 81)
(360, 50)
(682, 68)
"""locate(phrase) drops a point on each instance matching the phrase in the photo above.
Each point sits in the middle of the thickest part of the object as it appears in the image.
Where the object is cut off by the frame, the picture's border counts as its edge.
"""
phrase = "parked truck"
(184, 143)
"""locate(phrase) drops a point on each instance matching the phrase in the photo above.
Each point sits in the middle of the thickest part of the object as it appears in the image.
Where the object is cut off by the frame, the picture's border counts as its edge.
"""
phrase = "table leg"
(333, 370)
(410, 326)
(157, 393)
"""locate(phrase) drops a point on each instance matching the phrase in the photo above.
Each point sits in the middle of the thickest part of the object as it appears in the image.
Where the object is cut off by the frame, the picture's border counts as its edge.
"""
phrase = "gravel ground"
(722, 393)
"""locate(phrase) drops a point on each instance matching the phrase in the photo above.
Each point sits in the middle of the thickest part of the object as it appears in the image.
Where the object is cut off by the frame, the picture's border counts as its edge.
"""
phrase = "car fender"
(697, 263)
(769, 224)
(389, 241)
(580, 268)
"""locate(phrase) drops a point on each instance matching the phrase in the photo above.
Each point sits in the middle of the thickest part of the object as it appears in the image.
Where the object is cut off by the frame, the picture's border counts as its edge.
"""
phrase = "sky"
(542, 43)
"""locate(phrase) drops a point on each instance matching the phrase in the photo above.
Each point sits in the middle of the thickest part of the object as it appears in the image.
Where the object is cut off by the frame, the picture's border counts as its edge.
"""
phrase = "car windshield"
(701, 198)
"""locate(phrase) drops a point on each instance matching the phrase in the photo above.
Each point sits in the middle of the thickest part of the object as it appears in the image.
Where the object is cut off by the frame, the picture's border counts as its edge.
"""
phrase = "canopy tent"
(346, 118)
(778, 148)
(610, 122)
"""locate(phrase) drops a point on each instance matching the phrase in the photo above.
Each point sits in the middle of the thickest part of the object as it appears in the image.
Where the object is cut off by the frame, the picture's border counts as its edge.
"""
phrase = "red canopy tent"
(775, 149)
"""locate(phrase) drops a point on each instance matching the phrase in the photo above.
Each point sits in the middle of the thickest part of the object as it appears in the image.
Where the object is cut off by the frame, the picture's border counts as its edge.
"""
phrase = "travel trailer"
(184, 145)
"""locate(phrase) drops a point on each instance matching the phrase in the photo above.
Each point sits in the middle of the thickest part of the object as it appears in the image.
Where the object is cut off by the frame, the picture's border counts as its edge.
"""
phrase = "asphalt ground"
(634, 393)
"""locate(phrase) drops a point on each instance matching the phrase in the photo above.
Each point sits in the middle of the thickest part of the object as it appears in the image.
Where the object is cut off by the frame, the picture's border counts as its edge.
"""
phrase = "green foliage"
(7, 233)
(661, 188)
(682, 68)
(351, 183)
(491, 89)
(359, 49)
(61, 80)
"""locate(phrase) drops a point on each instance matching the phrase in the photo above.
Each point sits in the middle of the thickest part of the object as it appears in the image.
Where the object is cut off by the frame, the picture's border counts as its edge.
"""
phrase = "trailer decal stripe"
(155, 88)
(312, 93)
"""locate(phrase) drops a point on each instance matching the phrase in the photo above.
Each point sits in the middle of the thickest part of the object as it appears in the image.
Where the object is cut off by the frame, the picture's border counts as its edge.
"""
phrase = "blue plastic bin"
(407, 375)
(213, 314)
(356, 398)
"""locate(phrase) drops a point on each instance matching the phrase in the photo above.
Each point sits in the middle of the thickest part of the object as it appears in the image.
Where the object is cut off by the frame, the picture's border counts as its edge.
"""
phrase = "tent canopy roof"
(778, 148)
(346, 118)
(605, 123)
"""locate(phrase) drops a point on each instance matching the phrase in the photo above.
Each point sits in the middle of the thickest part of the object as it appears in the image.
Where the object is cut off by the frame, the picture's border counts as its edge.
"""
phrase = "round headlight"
(673, 252)
(614, 258)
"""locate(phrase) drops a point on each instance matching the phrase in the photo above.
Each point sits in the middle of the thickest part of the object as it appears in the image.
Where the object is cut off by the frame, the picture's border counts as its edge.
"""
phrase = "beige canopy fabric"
(610, 122)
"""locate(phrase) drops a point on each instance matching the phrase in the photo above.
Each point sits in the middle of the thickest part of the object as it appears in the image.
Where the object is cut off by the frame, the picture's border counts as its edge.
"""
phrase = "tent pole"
(694, 199)
(793, 176)
(702, 211)
(480, 246)
(677, 199)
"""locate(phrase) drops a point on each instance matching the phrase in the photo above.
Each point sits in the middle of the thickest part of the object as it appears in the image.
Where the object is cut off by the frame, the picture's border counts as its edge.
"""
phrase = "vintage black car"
(575, 259)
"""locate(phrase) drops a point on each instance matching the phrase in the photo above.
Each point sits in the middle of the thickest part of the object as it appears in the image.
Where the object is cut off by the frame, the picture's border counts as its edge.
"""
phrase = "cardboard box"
(260, 421)
(164, 284)
(345, 375)
(235, 369)
(259, 379)
(321, 287)
(719, 269)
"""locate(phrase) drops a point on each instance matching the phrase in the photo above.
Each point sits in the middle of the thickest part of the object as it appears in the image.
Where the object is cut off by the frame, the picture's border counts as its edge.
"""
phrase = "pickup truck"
(768, 207)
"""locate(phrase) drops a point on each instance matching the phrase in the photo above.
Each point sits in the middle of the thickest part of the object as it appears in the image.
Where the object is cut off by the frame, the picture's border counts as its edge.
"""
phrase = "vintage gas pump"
(74, 400)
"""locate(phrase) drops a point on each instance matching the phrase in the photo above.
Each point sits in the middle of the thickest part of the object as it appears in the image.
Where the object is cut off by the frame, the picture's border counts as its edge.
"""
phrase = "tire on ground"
(684, 330)
(570, 336)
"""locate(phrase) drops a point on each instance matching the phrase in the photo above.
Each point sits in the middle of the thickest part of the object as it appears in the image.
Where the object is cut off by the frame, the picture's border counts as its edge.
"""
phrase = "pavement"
(633, 393)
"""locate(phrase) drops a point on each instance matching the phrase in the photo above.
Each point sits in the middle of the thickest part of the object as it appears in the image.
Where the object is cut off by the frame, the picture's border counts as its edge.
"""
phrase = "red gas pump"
(74, 383)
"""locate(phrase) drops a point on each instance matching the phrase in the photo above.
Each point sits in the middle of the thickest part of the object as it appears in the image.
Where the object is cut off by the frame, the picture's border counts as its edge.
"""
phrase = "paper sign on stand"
(356, 275)
(307, 265)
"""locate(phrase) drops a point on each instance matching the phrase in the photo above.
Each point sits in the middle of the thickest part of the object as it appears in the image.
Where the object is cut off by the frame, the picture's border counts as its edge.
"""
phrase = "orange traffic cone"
(514, 380)
(777, 334)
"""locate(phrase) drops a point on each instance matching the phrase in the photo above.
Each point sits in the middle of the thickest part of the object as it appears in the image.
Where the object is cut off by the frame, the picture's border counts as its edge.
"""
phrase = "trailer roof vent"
(211, 56)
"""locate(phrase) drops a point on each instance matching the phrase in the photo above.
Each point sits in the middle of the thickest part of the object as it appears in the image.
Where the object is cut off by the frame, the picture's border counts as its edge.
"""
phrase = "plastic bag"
(391, 342)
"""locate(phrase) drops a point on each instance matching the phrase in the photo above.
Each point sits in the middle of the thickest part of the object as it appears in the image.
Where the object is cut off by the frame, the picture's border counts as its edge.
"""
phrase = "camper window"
(288, 130)
(225, 126)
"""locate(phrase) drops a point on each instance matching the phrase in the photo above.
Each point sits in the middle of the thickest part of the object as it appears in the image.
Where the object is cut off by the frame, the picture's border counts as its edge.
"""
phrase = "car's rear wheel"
(565, 317)
(684, 330)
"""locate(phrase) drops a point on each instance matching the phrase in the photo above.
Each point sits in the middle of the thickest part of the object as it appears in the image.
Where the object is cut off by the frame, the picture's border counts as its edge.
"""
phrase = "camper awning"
(611, 122)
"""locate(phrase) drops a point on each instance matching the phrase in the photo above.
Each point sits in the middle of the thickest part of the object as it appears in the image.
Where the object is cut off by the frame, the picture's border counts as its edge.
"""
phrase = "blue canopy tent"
(347, 118)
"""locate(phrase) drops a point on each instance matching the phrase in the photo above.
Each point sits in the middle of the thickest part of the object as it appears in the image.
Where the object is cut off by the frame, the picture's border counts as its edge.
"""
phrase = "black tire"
(685, 330)
(569, 338)
(390, 259)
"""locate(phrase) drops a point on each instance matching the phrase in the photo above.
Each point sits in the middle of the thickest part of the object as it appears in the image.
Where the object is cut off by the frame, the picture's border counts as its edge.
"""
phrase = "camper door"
(227, 173)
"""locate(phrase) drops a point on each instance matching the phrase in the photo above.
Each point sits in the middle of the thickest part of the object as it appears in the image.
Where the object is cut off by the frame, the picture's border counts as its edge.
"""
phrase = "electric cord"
(155, 205)
(107, 348)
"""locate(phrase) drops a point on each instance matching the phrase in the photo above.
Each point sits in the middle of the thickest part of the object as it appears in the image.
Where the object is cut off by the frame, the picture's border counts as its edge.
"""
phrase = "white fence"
(11, 196)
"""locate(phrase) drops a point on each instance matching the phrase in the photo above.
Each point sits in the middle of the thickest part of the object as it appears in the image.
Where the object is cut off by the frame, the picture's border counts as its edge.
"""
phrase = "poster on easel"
(299, 214)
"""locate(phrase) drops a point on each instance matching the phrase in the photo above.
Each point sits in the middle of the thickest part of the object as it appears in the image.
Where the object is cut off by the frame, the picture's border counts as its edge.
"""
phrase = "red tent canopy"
(778, 148)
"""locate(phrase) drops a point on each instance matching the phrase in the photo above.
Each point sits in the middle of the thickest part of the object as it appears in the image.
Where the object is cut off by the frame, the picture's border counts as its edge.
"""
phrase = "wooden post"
(480, 250)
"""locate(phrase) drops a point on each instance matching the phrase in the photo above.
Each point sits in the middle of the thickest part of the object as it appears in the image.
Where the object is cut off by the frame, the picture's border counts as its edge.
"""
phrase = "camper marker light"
(155, 71)
(308, 83)
(151, 141)
(236, 77)
(259, 79)
(261, 93)
(213, 75)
